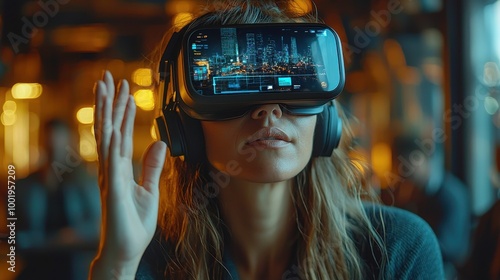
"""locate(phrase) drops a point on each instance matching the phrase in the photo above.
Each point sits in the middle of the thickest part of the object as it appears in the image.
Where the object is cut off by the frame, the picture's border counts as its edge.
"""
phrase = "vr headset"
(223, 72)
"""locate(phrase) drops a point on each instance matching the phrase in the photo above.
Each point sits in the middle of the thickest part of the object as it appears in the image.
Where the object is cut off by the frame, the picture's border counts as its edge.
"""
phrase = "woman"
(278, 213)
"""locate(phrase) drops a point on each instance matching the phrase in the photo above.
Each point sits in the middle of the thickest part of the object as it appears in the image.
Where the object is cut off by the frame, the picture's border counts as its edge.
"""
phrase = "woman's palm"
(130, 209)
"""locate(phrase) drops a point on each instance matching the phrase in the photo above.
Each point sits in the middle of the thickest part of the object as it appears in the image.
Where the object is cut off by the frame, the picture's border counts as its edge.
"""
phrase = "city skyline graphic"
(246, 60)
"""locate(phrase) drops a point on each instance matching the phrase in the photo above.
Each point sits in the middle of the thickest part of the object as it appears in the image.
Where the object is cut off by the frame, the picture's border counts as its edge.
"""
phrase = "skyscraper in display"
(229, 44)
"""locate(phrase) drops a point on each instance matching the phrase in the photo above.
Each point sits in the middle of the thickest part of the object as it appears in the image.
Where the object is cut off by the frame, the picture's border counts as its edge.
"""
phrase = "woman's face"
(264, 146)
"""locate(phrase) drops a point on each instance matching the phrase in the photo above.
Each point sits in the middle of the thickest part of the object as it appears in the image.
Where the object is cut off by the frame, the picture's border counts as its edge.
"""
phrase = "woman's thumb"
(153, 161)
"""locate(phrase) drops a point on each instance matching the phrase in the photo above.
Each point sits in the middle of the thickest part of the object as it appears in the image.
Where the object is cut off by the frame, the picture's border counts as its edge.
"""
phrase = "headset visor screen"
(256, 59)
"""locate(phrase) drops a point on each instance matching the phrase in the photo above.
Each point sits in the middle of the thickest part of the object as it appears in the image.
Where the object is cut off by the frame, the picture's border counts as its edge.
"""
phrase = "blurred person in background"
(483, 261)
(58, 211)
(424, 187)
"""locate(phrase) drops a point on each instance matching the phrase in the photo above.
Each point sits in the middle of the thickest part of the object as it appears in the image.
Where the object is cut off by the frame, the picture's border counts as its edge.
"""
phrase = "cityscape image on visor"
(243, 60)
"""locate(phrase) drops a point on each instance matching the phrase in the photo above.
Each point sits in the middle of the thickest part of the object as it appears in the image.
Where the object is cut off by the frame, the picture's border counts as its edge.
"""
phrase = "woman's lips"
(270, 137)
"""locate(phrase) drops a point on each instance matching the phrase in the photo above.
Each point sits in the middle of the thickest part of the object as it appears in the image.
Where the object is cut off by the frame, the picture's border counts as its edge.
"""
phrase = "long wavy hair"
(328, 194)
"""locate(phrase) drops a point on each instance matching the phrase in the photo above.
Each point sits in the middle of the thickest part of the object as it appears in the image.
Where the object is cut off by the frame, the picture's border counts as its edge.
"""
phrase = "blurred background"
(422, 90)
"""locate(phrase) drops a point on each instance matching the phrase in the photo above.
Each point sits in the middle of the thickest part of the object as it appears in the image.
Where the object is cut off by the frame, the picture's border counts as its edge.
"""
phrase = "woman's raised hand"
(129, 209)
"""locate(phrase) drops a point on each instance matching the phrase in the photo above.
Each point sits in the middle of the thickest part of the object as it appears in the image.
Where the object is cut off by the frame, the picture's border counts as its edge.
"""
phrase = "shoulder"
(411, 247)
(395, 220)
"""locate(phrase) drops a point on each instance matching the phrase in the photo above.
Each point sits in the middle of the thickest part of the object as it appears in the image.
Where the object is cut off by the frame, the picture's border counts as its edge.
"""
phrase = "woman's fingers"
(128, 128)
(98, 94)
(107, 111)
(120, 104)
(121, 130)
(110, 112)
(154, 158)
(101, 138)
(114, 125)
(110, 84)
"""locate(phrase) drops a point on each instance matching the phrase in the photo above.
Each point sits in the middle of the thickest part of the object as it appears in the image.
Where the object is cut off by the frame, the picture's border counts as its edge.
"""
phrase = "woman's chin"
(267, 175)
(262, 169)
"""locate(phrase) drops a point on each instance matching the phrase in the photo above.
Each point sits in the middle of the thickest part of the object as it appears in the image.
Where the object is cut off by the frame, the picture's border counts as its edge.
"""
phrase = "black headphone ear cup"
(193, 139)
(174, 133)
(182, 134)
(161, 129)
(328, 131)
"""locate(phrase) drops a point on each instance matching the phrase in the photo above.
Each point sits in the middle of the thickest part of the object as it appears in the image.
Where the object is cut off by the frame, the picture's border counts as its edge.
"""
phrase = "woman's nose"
(267, 110)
